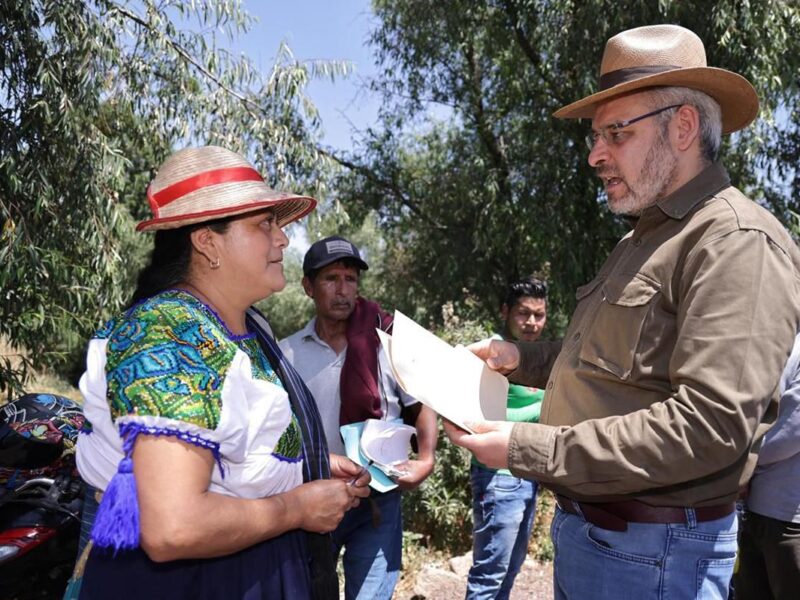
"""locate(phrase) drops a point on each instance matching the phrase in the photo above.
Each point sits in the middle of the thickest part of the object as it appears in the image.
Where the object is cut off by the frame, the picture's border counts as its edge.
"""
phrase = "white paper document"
(386, 444)
(451, 380)
(379, 448)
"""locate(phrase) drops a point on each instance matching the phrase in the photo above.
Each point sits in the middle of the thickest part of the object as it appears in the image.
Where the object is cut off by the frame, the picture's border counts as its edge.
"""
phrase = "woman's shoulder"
(171, 316)
(172, 323)
(167, 356)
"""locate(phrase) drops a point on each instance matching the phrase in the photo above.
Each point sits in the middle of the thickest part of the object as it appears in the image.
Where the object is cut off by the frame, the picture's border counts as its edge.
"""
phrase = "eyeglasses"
(612, 135)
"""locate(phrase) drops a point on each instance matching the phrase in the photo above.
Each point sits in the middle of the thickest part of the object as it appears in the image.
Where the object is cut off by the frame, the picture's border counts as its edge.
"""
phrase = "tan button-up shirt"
(670, 366)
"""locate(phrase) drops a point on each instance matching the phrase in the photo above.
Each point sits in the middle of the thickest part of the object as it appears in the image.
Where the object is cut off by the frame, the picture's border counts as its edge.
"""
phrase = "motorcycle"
(41, 495)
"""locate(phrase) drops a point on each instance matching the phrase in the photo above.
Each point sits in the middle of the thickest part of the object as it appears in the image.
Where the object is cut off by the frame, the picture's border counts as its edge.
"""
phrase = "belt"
(615, 516)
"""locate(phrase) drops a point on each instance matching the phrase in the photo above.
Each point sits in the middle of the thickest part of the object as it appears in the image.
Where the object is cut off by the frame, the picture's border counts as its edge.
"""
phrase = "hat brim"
(736, 97)
(287, 210)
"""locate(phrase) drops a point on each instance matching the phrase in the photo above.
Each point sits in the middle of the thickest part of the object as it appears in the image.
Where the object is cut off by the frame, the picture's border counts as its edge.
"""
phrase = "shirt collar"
(309, 334)
(310, 331)
(708, 182)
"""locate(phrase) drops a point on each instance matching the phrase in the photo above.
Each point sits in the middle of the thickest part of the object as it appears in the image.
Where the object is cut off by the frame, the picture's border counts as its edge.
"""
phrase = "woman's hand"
(321, 504)
(350, 472)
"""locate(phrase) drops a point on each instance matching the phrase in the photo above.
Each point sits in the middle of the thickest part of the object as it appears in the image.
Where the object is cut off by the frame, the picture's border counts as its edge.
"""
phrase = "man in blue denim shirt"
(503, 506)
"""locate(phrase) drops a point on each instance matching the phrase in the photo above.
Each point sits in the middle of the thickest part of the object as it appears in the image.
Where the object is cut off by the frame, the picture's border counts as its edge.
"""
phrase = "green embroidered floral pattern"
(259, 364)
(290, 445)
(169, 355)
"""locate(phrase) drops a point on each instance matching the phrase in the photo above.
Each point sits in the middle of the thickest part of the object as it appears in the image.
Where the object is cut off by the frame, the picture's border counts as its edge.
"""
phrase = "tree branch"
(492, 144)
(389, 186)
(528, 50)
(189, 58)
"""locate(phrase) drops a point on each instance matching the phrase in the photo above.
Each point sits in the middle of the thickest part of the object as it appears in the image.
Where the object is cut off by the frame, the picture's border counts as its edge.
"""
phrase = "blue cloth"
(274, 569)
(646, 562)
(503, 508)
(372, 555)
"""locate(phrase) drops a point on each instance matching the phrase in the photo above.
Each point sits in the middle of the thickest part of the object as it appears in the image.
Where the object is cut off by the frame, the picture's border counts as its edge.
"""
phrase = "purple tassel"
(117, 523)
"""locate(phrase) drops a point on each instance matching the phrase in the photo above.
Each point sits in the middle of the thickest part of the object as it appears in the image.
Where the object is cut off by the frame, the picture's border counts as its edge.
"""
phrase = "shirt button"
(549, 385)
(637, 242)
(577, 336)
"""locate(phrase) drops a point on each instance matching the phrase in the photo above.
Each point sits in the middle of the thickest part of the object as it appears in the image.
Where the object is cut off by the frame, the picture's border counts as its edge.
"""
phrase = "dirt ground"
(447, 581)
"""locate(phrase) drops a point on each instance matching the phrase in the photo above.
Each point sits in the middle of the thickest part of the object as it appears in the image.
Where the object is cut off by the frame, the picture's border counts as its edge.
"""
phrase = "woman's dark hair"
(527, 287)
(169, 261)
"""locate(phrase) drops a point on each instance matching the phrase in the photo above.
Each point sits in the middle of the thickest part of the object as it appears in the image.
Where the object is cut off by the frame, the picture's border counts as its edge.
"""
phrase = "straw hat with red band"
(666, 55)
(201, 184)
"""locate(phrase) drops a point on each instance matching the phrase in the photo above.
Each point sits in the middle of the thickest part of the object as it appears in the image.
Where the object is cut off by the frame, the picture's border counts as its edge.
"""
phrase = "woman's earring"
(214, 264)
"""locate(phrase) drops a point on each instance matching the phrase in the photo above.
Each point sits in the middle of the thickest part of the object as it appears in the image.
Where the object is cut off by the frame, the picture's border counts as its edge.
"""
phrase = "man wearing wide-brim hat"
(658, 396)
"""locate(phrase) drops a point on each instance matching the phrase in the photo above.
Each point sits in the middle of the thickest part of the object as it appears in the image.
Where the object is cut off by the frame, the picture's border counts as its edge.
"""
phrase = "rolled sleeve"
(530, 449)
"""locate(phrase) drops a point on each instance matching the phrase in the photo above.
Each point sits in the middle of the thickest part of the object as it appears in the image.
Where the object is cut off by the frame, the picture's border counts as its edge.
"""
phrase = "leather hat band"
(613, 78)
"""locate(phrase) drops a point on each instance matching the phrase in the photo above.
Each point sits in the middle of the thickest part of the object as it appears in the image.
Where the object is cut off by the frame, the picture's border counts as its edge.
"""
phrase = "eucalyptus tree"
(498, 188)
(93, 95)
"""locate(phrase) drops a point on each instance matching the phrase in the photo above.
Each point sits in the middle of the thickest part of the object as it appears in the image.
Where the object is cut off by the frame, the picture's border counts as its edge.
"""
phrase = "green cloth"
(524, 406)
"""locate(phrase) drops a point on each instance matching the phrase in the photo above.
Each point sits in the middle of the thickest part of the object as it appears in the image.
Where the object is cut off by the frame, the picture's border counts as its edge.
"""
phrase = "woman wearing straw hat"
(206, 445)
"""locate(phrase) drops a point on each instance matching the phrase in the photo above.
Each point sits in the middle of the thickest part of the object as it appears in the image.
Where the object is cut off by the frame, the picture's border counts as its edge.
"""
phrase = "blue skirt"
(276, 569)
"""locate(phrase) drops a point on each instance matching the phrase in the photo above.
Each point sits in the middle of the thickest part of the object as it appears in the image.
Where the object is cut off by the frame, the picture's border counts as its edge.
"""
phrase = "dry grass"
(415, 558)
(52, 384)
(38, 381)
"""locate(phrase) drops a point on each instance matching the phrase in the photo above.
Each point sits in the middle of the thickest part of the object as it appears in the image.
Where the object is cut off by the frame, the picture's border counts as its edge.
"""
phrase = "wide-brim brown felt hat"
(195, 185)
(666, 55)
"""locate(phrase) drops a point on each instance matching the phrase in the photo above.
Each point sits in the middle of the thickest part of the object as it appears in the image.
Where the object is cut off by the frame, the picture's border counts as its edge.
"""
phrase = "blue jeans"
(646, 562)
(503, 508)
(371, 553)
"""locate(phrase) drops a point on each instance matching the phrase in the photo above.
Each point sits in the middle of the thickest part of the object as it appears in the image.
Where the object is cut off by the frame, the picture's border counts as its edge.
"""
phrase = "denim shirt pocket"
(614, 335)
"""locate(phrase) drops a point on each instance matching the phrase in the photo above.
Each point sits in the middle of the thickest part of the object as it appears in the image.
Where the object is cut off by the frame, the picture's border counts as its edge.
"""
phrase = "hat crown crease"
(651, 46)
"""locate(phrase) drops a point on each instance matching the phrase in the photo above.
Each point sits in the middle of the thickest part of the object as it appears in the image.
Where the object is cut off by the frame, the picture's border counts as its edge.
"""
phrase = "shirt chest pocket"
(615, 332)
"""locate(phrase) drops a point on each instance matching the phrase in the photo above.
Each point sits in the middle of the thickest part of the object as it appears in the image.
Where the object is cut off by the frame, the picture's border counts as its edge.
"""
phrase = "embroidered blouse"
(169, 366)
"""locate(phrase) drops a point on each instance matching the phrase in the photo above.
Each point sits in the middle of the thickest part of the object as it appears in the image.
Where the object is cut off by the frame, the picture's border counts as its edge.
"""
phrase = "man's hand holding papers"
(457, 384)
(416, 472)
(489, 442)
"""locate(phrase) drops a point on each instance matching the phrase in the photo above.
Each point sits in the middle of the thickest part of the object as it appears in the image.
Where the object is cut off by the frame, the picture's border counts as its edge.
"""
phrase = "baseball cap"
(329, 250)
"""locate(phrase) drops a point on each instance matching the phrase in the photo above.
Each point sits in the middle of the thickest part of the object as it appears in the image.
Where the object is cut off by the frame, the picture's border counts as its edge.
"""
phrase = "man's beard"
(657, 174)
